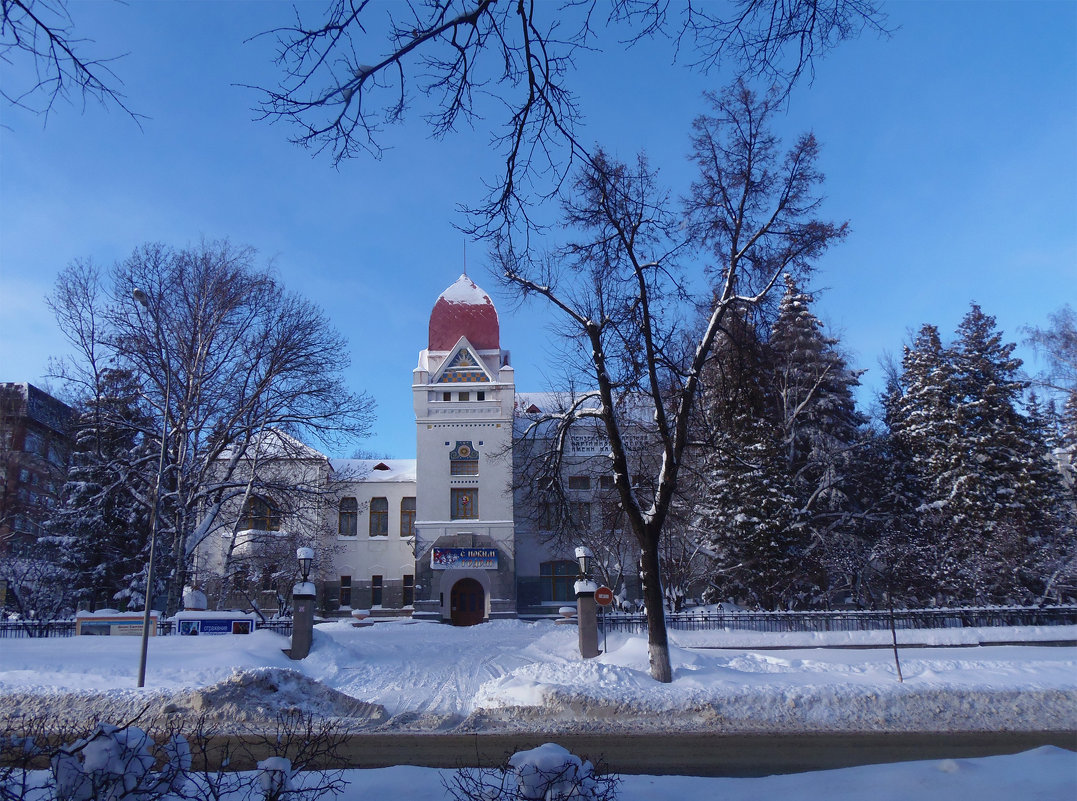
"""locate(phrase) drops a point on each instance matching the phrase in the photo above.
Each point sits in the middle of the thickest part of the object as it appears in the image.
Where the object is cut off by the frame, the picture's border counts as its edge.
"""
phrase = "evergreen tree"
(100, 528)
(812, 388)
(747, 519)
(989, 500)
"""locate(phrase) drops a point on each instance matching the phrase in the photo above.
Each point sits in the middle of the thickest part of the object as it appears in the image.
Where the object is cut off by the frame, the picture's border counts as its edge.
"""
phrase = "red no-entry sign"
(603, 596)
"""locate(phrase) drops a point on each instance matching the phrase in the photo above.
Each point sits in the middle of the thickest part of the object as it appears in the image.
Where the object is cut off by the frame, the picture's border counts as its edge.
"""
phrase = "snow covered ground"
(511, 675)
(425, 676)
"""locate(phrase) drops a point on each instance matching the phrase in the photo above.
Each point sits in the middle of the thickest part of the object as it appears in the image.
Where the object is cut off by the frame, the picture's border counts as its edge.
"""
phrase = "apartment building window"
(605, 482)
(347, 519)
(579, 482)
(407, 517)
(375, 590)
(345, 591)
(464, 503)
(379, 517)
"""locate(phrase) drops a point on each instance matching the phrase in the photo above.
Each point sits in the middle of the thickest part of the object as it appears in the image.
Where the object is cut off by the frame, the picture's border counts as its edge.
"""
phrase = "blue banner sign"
(463, 558)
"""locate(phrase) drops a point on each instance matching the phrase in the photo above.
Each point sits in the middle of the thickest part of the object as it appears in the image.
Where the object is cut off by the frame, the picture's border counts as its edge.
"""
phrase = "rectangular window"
(375, 590)
(480, 395)
(345, 590)
(462, 467)
(409, 591)
(605, 482)
(551, 515)
(579, 482)
(464, 503)
(465, 396)
(557, 579)
(446, 396)
(581, 514)
(379, 517)
(348, 517)
(407, 517)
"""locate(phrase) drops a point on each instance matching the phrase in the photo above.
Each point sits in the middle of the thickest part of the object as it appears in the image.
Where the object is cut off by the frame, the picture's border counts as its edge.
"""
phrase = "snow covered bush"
(115, 763)
(275, 778)
(546, 773)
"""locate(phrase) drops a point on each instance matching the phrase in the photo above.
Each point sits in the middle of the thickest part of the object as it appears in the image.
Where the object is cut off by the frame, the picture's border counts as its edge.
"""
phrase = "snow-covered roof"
(464, 309)
(375, 470)
(274, 443)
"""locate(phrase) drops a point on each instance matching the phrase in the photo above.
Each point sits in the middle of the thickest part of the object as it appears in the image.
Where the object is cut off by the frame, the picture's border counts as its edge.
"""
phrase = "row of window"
(348, 517)
(377, 588)
(461, 396)
(584, 482)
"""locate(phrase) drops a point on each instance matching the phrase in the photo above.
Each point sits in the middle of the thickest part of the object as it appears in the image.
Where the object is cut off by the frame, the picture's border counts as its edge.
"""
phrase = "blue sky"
(951, 147)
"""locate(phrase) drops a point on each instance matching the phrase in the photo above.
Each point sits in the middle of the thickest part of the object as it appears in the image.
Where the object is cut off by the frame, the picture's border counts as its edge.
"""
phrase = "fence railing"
(66, 628)
(845, 620)
(851, 620)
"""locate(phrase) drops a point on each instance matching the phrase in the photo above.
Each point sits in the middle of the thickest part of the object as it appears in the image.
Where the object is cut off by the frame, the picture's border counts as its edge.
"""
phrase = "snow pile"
(512, 675)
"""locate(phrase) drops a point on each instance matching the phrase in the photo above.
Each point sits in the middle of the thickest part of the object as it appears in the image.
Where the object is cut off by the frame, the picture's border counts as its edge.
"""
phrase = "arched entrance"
(467, 603)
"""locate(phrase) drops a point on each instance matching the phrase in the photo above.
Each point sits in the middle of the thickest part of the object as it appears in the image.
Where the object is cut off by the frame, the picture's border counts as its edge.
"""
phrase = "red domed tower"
(464, 392)
(464, 310)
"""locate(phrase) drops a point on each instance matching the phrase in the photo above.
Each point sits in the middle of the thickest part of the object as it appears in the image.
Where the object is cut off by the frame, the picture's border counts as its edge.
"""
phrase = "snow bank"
(507, 675)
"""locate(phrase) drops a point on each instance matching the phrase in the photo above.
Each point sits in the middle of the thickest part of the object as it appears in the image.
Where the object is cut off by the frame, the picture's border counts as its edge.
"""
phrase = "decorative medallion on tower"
(464, 451)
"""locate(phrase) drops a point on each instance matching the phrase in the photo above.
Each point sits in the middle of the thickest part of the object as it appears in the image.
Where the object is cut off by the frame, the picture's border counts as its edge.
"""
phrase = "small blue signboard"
(463, 558)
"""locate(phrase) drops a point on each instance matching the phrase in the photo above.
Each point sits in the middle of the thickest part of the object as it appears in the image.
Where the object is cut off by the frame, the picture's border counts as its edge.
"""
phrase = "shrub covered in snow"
(546, 773)
(115, 763)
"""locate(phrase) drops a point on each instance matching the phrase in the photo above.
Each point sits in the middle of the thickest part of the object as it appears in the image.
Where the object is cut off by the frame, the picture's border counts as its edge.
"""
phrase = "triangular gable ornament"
(463, 367)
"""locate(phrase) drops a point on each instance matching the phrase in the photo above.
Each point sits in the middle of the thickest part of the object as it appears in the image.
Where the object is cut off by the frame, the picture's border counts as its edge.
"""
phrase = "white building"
(439, 536)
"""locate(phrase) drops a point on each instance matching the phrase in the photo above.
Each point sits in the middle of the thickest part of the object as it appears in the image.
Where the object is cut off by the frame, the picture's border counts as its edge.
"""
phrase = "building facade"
(34, 445)
(450, 535)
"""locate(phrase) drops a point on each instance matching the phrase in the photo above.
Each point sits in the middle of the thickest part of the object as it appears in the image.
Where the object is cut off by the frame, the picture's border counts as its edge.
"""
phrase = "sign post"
(604, 597)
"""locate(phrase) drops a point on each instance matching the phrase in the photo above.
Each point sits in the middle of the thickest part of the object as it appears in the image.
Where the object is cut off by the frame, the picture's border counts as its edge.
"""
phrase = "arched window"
(379, 517)
(261, 514)
(347, 517)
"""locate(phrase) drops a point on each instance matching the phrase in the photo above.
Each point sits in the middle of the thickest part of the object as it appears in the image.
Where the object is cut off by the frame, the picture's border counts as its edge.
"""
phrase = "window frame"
(348, 518)
(458, 505)
(378, 517)
(258, 509)
(557, 577)
(407, 517)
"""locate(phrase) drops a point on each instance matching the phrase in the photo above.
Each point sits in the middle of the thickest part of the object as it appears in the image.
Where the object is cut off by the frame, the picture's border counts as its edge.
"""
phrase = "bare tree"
(224, 356)
(41, 35)
(363, 65)
(634, 279)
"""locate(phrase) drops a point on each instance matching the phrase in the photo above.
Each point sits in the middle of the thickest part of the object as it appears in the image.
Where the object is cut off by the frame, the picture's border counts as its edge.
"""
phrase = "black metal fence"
(66, 628)
(851, 620)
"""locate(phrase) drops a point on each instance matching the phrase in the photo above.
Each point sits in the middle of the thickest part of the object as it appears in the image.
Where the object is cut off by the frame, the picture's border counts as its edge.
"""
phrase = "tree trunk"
(657, 641)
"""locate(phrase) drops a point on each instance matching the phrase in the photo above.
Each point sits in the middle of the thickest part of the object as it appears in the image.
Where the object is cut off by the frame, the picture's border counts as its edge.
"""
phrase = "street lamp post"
(142, 299)
(586, 610)
(304, 594)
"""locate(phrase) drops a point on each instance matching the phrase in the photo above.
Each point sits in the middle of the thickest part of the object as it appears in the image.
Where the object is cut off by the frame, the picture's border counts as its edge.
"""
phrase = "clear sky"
(951, 147)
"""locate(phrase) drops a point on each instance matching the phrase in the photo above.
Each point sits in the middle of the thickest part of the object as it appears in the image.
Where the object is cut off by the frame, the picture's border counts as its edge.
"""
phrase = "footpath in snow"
(511, 675)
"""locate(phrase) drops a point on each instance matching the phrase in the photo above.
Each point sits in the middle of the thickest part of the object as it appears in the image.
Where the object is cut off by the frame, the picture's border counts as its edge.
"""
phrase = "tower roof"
(464, 310)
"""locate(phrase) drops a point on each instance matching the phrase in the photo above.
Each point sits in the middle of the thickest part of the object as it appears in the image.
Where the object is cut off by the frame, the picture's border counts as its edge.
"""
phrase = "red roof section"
(464, 310)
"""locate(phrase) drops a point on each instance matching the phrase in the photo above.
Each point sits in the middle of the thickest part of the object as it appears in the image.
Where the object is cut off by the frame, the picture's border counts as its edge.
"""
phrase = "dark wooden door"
(468, 603)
